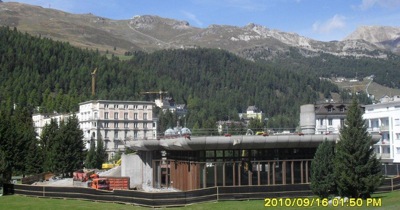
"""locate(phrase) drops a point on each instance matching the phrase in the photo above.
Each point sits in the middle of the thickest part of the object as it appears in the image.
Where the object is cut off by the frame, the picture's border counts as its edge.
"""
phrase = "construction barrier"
(168, 199)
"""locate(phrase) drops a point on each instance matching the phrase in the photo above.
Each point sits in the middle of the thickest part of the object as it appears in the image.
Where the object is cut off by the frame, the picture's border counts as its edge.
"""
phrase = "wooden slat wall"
(184, 175)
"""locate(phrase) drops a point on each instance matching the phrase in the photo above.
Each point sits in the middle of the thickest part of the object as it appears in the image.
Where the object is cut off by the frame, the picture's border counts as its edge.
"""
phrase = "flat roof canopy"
(236, 142)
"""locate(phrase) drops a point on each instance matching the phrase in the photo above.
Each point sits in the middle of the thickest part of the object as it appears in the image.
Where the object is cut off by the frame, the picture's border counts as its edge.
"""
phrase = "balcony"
(383, 155)
(373, 130)
(384, 128)
(321, 127)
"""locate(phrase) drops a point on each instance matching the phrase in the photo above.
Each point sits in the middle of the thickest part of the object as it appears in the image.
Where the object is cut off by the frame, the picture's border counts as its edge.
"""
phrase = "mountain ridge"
(150, 33)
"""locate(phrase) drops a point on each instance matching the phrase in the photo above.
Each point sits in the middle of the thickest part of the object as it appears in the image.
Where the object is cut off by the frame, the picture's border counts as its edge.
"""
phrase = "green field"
(15, 202)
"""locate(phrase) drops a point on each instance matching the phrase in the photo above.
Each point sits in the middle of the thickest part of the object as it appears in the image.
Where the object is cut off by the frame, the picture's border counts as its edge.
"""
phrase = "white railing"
(384, 155)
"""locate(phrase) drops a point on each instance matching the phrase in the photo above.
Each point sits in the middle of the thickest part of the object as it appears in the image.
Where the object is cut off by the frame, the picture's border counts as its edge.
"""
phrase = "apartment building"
(384, 118)
(252, 112)
(40, 120)
(117, 123)
(330, 117)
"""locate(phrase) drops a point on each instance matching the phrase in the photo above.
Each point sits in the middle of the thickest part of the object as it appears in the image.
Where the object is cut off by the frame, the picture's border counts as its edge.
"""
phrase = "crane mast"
(94, 81)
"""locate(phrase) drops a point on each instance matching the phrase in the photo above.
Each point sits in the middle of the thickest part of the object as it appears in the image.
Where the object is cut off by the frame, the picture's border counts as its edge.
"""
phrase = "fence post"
(392, 183)
(217, 195)
(385, 170)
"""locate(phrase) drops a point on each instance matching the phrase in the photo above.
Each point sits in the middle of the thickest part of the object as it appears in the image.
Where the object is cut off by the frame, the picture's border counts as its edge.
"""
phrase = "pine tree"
(73, 145)
(34, 159)
(48, 145)
(357, 170)
(7, 137)
(90, 161)
(101, 154)
(322, 177)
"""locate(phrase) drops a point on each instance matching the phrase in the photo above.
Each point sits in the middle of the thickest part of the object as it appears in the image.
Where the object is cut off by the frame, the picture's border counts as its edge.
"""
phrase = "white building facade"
(117, 123)
(40, 120)
(384, 118)
(330, 117)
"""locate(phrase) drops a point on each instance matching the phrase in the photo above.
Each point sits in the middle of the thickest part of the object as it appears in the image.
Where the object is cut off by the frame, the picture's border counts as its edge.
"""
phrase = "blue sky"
(323, 20)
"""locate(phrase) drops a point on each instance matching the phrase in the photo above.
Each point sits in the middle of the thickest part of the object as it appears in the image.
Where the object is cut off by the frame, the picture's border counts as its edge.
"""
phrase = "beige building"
(117, 123)
(252, 112)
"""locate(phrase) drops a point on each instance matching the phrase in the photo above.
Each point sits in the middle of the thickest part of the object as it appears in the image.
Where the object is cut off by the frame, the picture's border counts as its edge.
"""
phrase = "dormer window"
(330, 109)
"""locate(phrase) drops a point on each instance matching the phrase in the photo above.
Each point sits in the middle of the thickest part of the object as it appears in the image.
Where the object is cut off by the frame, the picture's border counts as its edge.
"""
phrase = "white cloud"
(367, 4)
(335, 23)
(193, 17)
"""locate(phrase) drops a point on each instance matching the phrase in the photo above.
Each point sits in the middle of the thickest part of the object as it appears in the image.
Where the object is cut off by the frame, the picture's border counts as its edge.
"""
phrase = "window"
(145, 116)
(106, 125)
(125, 116)
(397, 150)
(116, 115)
(135, 116)
(106, 106)
(321, 121)
(106, 134)
(145, 135)
(105, 115)
(126, 125)
(330, 121)
(116, 134)
(135, 134)
(116, 106)
(144, 125)
(126, 106)
(341, 109)
(95, 115)
(135, 107)
(145, 107)
(135, 125)
(396, 122)
(397, 136)
(115, 125)
(116, 145)
(330, 109)
(126, 134)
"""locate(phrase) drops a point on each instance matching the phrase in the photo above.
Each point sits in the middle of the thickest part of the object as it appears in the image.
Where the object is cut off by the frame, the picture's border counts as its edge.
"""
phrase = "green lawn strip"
(388, 201)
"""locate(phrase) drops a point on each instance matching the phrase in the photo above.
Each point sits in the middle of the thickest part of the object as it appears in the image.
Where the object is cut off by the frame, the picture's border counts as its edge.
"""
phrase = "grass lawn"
(15, 202)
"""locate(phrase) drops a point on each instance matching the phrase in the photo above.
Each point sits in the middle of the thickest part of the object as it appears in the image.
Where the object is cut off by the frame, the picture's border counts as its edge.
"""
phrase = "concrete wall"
(139, 168)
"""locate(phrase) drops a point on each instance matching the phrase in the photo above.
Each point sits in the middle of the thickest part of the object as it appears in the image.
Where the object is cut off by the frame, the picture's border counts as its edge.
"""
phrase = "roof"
(117, 101)
(236, 142)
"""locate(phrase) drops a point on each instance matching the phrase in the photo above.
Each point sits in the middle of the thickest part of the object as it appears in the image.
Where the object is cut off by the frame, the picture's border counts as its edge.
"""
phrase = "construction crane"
(94, 81)
(155, 92)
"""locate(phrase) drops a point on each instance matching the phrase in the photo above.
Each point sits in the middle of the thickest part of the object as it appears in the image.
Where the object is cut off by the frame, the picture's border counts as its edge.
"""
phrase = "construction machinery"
(100, 184)
(83, 175)
(111, 165)
(92, 180)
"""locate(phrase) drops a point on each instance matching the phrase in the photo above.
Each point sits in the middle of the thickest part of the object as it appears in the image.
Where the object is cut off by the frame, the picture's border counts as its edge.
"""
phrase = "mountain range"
(150, 33)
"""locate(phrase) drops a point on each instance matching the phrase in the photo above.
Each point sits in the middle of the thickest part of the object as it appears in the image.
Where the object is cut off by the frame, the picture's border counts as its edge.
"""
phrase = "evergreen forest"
(384, 70)
(46, 76)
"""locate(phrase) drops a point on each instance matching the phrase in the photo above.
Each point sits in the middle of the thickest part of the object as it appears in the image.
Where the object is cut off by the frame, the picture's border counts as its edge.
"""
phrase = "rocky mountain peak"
(375, 34)
(385, 37)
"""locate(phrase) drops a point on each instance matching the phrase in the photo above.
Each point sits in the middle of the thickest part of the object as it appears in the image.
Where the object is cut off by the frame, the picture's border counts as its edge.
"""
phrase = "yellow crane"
(156, 92)
(94, 81)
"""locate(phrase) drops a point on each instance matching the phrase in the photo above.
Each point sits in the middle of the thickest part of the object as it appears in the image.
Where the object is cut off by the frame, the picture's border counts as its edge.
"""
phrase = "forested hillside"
(386, 71)
(215, 84)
